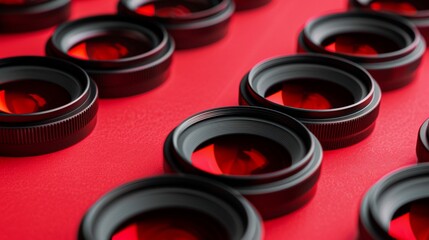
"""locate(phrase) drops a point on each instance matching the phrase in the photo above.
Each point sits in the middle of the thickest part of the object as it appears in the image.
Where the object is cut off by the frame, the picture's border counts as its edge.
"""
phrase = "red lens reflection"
(168, 224)
(173, 8)
(412, 222)
(30, 96)
(361, 44)
(310, 94)
(110, 48)
(401, 7)
(241, 155)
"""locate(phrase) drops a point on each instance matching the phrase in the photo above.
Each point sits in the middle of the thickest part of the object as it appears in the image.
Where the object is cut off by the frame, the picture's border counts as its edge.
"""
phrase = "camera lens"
(397, 207)
(45, 105)
(192, 23)
(417, 11)
(269, 157)
(423, 143)
(123, 56)
(29, 15)
(172, 207)
(250, 4)
(389, 47)
(336, 99)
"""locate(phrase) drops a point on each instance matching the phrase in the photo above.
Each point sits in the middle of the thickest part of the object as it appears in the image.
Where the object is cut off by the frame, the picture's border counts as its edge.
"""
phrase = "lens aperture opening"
(411, 222)
(171, 9)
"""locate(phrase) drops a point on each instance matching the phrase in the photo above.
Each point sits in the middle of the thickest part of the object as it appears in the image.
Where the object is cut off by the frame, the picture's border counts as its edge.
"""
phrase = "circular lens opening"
(310, 93)
(360, 44)
(408, 8)
(241, 154)
(411, 222)
(29, 96)
(111, 47)
(172, 223)
(169, 8)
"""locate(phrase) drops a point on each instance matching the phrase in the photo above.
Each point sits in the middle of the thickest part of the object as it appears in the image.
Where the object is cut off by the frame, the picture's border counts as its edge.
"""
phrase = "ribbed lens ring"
(336, 99)
(250, 4)
(45, 105)
(423, 143)
(123, 56)
(417, 11)
(386, 201)
(390, 48)
(190, 23)
(214, 203)
(32, 15)
(233, 145)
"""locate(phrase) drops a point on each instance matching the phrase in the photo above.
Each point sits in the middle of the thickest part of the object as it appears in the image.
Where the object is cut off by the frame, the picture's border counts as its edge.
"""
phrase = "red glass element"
(412, 223)
(401, 7)
(30, 96)
(169, 8)
(310, 94)
(360, 44)
(110, 47)
(241, 155)
(172, 224)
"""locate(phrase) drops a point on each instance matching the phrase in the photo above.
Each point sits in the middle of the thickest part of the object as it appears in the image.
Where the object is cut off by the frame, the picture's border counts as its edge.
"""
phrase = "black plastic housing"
(273, 194)
(420, 20)
(120, 77)
(192, 30)
(250, 4)
(387, 196)
(220, 202)
(54, 129)
(334, 128)
(391, 70)
(423, 143)
(33, 16)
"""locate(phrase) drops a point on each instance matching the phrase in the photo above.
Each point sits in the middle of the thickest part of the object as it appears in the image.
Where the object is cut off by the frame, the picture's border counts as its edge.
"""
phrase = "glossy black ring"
(54, 129)
(391, 70)
(33, 16)
(423, 143)
(119, 77)
(250, 4)
(387, 196)
(121, 205)
(273, 194)
(192, 30)
(336, 127)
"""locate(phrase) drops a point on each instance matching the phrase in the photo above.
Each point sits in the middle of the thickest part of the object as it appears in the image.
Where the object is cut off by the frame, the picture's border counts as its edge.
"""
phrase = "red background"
(45, 197)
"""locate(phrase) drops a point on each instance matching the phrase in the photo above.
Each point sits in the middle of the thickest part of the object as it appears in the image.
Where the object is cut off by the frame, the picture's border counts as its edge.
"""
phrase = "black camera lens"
(423, 142)
(172, 207)
(336, 99)
(397, 207)
(250, 4)
(417, 11)
(45, 105)
(390, 48)
(192, 23)
(29, 15)
(123, 56)
(269, 157)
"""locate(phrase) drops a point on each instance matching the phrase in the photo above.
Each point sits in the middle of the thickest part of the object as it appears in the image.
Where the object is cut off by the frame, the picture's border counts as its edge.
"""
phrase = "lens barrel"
(33, 15)
(389, 47)
(34, 119)
(423, 143)
(191, 26)
(345, 97)
(124, 56)
(273, 193)
(237, 218)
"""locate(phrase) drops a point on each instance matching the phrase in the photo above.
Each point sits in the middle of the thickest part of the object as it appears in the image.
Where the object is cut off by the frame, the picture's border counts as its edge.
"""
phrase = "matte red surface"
(45, 197)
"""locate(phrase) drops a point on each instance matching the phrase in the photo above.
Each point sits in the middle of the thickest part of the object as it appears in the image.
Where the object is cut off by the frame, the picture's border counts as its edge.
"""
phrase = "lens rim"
(360, 5)
(422, 148)
(261, 189)
(373, 219)
(189, 187)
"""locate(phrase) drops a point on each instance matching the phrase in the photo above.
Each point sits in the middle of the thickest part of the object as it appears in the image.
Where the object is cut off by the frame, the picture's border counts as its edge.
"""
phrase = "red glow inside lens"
(168, 8)
(172, 224)
(110, 47)
(310, 94)
(30, 96)
(360, 44)
(401, 7)
(241, 155)
(412, 223)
